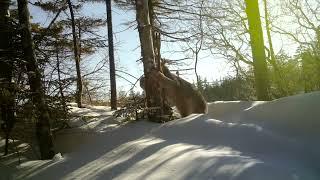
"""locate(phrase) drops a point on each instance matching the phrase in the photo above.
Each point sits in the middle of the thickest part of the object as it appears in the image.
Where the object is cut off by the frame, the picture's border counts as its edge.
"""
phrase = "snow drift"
(234, 141)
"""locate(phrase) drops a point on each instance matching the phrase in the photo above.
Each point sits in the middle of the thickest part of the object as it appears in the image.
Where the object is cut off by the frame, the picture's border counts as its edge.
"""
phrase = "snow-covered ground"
(236, 140)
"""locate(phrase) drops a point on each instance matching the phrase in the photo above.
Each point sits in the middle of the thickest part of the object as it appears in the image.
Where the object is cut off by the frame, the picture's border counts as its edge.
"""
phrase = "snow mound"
(57, 157)
(295, 116)
(234, 141)
(85, 124)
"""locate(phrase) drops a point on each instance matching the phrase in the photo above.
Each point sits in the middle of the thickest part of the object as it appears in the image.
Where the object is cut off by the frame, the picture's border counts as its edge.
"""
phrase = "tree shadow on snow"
(142, 149)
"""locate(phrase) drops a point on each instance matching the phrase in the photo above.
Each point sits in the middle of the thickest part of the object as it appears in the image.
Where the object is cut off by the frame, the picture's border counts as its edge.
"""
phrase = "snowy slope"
(234, 141)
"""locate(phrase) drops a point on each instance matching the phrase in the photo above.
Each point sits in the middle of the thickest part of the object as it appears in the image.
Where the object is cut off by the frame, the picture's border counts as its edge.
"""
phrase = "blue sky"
(128, 50)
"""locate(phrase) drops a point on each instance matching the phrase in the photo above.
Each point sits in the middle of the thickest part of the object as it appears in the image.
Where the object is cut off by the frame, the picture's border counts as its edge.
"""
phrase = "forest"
(133, 60)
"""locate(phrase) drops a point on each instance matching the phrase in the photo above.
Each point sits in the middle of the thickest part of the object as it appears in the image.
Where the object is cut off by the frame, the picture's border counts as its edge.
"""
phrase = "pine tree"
(6, 72)
(83, 39)
(76, 55)
(43, 131)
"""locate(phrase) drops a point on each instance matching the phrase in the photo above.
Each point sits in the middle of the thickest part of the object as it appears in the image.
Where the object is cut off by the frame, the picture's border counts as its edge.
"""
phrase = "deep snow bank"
(234, 141)
(296, 116)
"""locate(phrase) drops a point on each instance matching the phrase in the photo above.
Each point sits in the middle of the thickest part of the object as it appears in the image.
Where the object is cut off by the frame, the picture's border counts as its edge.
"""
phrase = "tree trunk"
(195, 68)
(76, 56)
(7, 94)
(198, 48)
(111, 58)
(307, 72)
(43, 131)
(153, 93)
(273, 60)
(257, 47)
(63, 99)
(85, 85)
(147, 50)
(156, 39)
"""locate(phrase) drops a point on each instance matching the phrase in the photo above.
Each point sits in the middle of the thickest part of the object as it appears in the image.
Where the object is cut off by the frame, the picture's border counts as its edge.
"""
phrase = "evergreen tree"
(7, 95)
(43, 130)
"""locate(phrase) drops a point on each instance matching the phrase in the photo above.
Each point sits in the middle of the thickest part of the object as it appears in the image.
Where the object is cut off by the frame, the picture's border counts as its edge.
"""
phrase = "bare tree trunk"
(195, 68)
(258, 52)
(147, 50)
(266, 16)
(43, 131)
(7, 94)
(156, 39)
(111, 58)
(85, 84)
(273, 60)
(308, 86)
(153, 93)
(63, 99)
(199, 42)
(76, 56)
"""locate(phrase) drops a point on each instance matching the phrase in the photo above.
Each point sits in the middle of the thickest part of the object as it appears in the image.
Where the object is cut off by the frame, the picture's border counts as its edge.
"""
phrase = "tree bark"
(63, 99)
(7, 95)
(76, 56)
(111, 58)
(147, 50)
(258, 52)
(156, 39)
(153, 93)
(43, 131)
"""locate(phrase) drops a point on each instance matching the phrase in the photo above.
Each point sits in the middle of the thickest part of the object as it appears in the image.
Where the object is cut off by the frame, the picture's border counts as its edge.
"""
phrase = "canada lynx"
(178, 92)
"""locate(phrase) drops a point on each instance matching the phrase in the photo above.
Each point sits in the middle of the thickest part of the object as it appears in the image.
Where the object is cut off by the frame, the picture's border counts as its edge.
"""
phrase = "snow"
(236, 140)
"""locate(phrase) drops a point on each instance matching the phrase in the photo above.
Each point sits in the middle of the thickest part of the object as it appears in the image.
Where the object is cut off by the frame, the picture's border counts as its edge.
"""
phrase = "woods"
(6, 70)
(56, 52)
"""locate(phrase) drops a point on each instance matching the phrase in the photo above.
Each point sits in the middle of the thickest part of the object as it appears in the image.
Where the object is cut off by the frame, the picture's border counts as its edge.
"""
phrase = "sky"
(127, 50)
